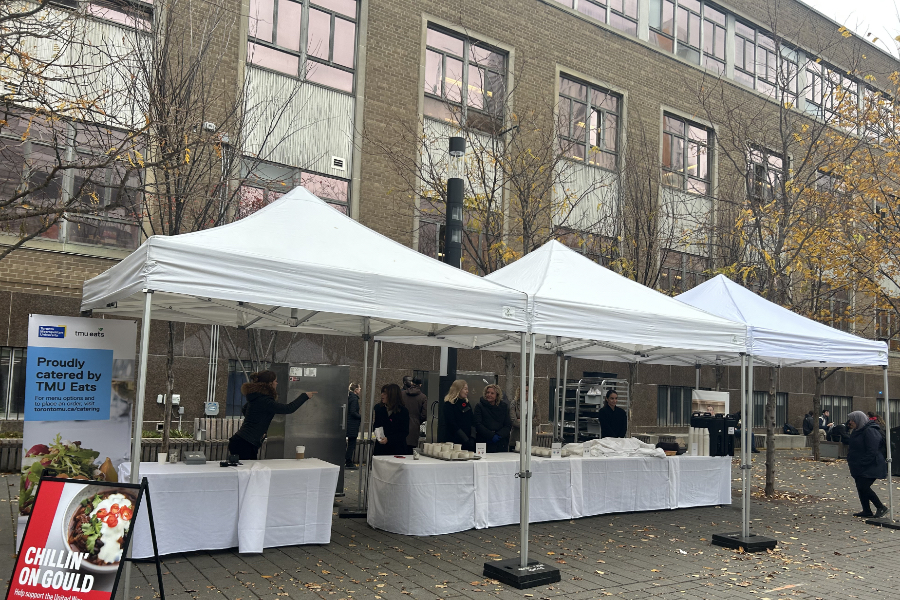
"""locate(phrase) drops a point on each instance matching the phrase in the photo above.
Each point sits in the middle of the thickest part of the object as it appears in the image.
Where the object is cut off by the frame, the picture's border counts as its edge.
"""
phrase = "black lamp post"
(453, 235)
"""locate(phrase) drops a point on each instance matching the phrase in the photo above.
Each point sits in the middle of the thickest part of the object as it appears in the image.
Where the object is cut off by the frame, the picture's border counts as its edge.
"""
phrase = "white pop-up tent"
(583, 309)
(779, 337)
(297, 265)
(599, 314)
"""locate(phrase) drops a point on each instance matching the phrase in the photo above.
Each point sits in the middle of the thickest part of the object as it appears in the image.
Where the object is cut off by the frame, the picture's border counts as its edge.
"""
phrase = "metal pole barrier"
(556, 428)
(887, 439)
(523, 459)
(748, 435)
(139, 417)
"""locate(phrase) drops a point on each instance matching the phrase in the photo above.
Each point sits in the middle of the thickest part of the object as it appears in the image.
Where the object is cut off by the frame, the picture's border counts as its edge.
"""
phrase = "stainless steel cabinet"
(321, 423)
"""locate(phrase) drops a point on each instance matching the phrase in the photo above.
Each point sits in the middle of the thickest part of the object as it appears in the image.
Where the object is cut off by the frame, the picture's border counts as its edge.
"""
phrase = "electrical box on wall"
(176, 399)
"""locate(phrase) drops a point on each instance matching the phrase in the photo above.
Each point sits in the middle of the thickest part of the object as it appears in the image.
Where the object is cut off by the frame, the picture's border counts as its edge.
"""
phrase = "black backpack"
(790, 429)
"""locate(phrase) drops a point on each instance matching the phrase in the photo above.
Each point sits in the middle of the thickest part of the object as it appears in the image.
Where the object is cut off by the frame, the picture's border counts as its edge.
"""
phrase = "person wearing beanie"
(866, 461)
(259, 410)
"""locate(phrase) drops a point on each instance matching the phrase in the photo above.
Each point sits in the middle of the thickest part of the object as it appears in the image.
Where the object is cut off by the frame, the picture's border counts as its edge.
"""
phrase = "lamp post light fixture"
(453, 230)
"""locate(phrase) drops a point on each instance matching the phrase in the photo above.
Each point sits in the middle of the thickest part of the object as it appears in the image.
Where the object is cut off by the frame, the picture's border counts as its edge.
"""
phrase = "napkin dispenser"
(194, 457)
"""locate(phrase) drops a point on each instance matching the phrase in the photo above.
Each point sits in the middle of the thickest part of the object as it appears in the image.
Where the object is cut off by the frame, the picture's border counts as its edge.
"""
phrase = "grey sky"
(876, 17)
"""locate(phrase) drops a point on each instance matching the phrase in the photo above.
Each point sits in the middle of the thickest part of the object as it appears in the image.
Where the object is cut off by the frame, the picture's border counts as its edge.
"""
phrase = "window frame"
(275, 180)
(759, 161)
(603, 116)
(760, 398)
(306, 60)
(687, 142)
(461, 108)
(696, 16)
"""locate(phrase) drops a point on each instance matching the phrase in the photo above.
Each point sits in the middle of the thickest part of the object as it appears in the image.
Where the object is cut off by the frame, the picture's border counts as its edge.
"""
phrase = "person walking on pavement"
(866, 461)
(353, 421)
(416, 403)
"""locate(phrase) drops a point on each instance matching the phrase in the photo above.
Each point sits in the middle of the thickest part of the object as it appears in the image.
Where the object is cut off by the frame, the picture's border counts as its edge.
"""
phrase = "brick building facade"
(371, 65)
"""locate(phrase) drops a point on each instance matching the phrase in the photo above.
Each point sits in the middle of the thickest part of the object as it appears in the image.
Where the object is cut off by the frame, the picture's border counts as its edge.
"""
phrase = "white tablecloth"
(433, 497)
(261, 504)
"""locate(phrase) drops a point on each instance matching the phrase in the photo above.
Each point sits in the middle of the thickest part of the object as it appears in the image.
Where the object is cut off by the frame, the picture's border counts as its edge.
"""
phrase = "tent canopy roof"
(602, 315)
(780, 336)
(300, 265)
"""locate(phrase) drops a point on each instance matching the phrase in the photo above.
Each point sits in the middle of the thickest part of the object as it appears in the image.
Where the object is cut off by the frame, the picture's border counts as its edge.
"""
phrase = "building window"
(12, 382)
(680, 272)
(881, 412)
(673, 406)
(693, 30)
(881, 113)
(886, 329)
(621, 14)
(588, 123)
(838, 306)
(109, 193)
(326, 56)
(759, 409)
(263, 183)
(838, 406)
(465, 81)
(765, 173)
(685, 160)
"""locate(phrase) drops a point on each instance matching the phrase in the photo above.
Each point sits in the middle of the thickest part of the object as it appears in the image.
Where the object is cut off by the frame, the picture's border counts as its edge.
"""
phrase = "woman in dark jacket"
(353, 421)
(459, 415)
(259, 410)
(393, 417)
(492, 422)
(866, 462)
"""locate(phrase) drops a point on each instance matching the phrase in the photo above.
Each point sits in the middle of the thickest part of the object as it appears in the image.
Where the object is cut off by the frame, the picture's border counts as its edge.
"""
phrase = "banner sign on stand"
(76, 540)
(79, 395)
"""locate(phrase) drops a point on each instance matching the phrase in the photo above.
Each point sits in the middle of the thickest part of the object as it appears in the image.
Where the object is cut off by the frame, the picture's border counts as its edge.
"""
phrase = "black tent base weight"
(751, 543)
(508, 572)
(352, 513)
(883, 522)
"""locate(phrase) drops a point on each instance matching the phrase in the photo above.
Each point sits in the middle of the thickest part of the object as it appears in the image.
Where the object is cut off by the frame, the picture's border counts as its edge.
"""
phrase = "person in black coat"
(353, 421)
(459, 415)
(866, 462)
(393, 417)
(613, 420)
(492, 422)
(259, 410)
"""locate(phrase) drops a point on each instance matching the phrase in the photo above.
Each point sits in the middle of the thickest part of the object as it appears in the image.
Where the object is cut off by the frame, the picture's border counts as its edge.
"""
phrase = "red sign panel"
(75, 541)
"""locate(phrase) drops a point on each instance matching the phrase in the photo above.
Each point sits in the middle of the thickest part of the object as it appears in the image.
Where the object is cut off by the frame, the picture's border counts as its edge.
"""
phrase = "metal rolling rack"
(581, 406)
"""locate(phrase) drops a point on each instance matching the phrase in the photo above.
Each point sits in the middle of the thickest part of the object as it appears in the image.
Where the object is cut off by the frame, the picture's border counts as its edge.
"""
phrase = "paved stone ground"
(823, 552)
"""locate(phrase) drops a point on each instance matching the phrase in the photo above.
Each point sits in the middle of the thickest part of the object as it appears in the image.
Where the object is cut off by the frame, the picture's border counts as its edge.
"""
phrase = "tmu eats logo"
(97, 334)
(51, 331)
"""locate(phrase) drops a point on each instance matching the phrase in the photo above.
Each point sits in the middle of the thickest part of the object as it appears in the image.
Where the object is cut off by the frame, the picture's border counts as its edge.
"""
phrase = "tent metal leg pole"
(527, 515)
(359, 473)
(524, 451)
(556, 430)
(697, 377)
(371, 407)
(745, 468)
(887, 439)
(139, 417)
(522, 573)
(562, 402)
(748, 435)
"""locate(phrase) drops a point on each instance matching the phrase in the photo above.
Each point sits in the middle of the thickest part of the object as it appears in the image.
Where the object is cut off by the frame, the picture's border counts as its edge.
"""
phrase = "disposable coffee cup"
(301, 452)
(162, 457)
